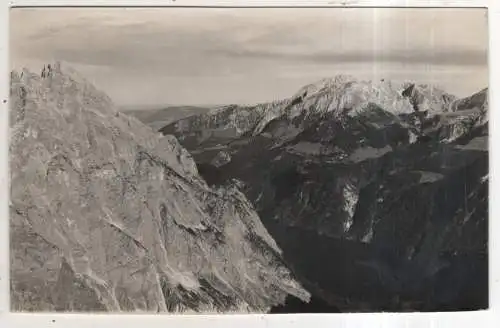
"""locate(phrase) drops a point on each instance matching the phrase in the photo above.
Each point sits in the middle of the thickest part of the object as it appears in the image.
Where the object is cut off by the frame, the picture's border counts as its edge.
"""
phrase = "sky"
(202, 56)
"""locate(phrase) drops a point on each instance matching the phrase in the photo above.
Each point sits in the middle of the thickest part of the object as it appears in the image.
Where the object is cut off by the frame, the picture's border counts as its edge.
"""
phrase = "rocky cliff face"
(107, 215)
(387, 186)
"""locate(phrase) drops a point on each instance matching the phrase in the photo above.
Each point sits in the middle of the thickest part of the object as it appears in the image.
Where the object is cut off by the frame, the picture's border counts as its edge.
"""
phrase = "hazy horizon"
(157, 57)
(134, 107)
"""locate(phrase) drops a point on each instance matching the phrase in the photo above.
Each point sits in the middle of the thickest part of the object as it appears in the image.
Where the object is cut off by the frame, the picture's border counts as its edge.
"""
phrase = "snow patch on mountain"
(351, 197)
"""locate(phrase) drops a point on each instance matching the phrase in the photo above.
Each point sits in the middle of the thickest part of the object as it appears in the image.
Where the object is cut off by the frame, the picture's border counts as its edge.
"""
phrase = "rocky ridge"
(335, 96)
(107, 215)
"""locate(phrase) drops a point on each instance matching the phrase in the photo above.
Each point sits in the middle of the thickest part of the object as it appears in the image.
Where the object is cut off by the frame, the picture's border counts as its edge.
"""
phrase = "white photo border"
(486, 318)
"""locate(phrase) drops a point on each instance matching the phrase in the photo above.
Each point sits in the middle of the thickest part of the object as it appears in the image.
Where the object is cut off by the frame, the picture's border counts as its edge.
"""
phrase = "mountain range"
(376, 191)
(348, 196)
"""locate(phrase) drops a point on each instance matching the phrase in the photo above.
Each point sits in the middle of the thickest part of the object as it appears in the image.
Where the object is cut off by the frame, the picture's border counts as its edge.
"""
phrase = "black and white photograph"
(248, 160)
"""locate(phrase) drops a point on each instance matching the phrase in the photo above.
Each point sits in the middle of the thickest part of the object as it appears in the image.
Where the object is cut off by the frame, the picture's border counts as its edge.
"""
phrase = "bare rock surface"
(107, 215)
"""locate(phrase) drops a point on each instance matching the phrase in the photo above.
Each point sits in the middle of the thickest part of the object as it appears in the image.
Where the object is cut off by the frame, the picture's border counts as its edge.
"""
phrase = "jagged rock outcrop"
(107, 215)
(393, 206)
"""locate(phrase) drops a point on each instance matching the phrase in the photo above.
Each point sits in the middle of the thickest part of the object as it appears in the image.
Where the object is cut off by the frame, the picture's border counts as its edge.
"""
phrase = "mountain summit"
(107, 215)
(340, 96)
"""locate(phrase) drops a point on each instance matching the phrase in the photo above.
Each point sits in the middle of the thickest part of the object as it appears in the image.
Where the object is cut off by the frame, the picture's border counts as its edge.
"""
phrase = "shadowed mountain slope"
(386, 184)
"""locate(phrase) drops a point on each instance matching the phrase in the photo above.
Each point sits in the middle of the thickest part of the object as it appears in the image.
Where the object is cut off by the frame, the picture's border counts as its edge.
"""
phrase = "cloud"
(201, 55)
(464, 57)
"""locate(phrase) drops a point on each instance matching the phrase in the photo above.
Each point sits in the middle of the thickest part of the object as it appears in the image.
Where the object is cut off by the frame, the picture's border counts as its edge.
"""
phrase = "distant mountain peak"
(338, 96)
(324, 84)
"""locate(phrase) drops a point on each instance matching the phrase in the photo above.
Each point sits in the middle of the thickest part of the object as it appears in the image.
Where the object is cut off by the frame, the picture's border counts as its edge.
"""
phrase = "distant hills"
(156, 117)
